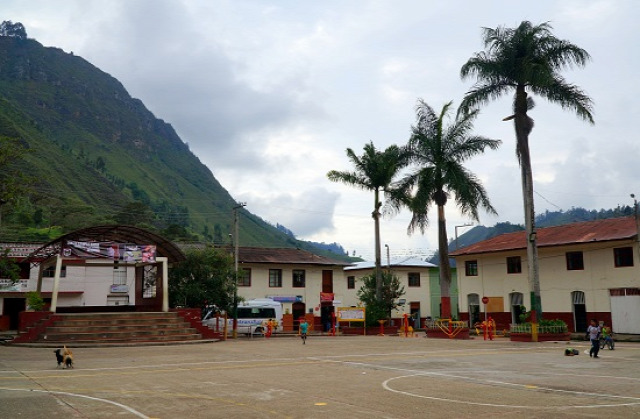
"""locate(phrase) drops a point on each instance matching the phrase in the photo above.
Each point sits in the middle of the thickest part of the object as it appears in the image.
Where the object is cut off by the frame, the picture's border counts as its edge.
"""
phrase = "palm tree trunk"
(378, 267)
(523, 125)
(445, 270)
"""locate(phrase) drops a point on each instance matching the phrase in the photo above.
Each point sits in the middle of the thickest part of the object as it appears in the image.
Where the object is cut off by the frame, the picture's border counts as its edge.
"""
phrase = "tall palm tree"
(527, 59)
(374, 171)
(438, 152)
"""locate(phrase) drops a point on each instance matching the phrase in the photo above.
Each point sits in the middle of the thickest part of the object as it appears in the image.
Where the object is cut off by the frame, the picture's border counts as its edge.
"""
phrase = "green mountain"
(97, 155)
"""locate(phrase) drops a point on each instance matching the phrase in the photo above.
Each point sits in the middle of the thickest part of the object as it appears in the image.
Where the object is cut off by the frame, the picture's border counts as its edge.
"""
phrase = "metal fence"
(436, 324)
(526, 328)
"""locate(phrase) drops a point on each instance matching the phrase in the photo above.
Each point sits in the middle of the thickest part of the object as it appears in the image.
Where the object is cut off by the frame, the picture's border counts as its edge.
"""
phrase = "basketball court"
(356, 377)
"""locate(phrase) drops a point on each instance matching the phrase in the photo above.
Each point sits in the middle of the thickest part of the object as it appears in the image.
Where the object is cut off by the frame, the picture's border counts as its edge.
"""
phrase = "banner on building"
(120, 252)
(350, 314)
(326, 296)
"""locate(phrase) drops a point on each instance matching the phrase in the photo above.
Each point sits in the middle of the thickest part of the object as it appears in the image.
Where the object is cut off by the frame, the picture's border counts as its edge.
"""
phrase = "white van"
(252, 316)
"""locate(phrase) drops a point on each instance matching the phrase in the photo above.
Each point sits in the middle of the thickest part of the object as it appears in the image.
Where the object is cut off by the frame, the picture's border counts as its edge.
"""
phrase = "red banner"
(326, 296)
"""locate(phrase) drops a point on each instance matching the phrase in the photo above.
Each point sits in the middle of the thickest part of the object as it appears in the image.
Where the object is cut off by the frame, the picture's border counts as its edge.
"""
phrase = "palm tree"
(439, 152)
(374, 171)
(527, 59)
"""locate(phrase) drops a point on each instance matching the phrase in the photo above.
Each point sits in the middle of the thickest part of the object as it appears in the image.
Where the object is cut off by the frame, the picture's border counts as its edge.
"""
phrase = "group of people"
(595, 333)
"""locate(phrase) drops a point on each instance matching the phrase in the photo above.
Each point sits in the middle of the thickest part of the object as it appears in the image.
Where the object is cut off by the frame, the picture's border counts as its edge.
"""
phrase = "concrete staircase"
(132, 327)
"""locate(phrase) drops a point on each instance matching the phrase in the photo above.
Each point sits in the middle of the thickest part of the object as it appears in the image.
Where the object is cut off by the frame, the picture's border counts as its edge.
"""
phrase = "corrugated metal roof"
(576, 233)
(409, 262)
(283, 256)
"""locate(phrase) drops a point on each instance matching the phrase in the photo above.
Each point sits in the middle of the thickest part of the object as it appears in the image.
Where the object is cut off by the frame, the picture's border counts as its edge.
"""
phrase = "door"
(474, 309)
(327, 281)
(625, 310)
(12, 308)
(298, 311)
(579, 311)
(516, 299)
(414, 306)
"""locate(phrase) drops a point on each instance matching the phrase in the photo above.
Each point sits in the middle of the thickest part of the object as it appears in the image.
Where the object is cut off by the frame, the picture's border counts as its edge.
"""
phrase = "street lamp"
(236, 240)
(635, 215)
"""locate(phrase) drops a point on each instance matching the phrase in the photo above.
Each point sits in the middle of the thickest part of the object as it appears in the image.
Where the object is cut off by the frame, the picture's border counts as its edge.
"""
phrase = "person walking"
(594, 335)
(304, 327)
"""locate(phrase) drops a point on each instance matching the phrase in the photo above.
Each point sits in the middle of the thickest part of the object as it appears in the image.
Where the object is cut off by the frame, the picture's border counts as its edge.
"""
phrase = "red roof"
(283, 256)
(576, 233)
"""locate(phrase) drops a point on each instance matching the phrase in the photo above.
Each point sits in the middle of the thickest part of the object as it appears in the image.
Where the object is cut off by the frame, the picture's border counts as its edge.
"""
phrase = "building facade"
(421, 283)
(587, 270)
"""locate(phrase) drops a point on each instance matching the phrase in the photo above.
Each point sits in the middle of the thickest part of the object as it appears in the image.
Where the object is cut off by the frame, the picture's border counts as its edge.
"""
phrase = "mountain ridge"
(99, 155)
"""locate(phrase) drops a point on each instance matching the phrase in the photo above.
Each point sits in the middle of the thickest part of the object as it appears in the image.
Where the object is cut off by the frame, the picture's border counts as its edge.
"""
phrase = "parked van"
(253, 316)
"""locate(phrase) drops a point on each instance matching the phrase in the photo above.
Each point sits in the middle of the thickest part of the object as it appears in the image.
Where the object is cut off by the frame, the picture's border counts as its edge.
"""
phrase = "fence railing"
(526, 328)
(436, 324)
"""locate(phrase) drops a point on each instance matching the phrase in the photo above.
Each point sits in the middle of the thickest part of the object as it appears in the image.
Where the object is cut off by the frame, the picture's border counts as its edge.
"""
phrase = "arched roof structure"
(113, 233)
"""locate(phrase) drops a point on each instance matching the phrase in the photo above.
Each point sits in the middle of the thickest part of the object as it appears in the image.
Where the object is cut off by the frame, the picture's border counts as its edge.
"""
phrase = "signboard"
(326, 296)
(485, 300)
(124, 252)
(350, 314)
(119, 289)
(286, 298)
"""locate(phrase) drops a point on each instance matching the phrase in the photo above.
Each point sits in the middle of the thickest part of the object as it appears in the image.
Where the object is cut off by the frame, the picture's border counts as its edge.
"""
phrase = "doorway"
(579, 311)
(298, 311)
(516, 299)
(474, 309)
(327, 281)
(12, 308)
(414, 306)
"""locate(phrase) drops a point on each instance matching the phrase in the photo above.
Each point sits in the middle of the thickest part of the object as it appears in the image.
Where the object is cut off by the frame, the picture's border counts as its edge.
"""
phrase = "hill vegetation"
(95, 155)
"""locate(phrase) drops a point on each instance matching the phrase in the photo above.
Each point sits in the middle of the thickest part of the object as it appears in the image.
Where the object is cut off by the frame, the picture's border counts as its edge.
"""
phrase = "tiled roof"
(283, 256)
(409, 262)
(576, 233)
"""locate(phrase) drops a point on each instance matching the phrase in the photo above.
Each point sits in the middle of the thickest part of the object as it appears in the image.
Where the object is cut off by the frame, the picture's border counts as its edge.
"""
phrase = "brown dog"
(67, 357)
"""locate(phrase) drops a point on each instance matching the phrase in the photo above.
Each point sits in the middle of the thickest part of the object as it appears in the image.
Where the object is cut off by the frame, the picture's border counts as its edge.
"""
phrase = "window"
(275, 278)
(471, 268)
(351, 282)
(414, 279)
(244, 278)
(623, 256)
(575, 261)
(514, 265)
(50, 272)
(298, 278)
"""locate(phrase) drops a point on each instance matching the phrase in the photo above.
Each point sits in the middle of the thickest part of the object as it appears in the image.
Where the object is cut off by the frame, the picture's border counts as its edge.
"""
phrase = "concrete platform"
(355, 377)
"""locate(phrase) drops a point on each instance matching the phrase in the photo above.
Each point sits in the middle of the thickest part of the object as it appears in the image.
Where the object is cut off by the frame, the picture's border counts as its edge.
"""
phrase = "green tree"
(374, 171)
(207, 275)
(437, 153)
(135, 214)
(13, 182)
(8, 268)
(378, 308)
(527, 59)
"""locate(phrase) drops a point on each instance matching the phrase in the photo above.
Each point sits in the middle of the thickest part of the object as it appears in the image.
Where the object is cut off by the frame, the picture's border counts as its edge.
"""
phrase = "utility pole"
(236, 241)
(635, 215)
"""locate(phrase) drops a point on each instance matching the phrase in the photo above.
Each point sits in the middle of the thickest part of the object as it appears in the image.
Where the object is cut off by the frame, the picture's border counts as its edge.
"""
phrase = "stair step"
(167, 338)
(106, 328)
(119, 328)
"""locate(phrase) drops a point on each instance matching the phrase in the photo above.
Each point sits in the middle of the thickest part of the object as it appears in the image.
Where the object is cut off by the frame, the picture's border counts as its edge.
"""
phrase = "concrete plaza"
(355, 377)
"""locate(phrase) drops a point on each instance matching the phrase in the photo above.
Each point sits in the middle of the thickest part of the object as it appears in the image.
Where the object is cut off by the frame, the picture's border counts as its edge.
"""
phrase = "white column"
(56, 283)
(165, 282)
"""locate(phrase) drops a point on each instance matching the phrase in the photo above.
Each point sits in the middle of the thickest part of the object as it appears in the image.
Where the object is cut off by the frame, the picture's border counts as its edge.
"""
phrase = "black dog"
(64, 357)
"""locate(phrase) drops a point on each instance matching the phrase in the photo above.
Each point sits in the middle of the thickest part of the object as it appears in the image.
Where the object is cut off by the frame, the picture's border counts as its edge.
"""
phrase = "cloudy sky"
(269, 94)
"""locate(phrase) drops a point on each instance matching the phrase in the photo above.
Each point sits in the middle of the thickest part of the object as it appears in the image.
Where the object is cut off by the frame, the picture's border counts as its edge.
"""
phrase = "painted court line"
(64, 393)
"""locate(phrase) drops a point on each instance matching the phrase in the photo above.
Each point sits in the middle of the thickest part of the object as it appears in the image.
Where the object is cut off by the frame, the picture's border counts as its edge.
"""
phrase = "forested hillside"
(91, 154)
